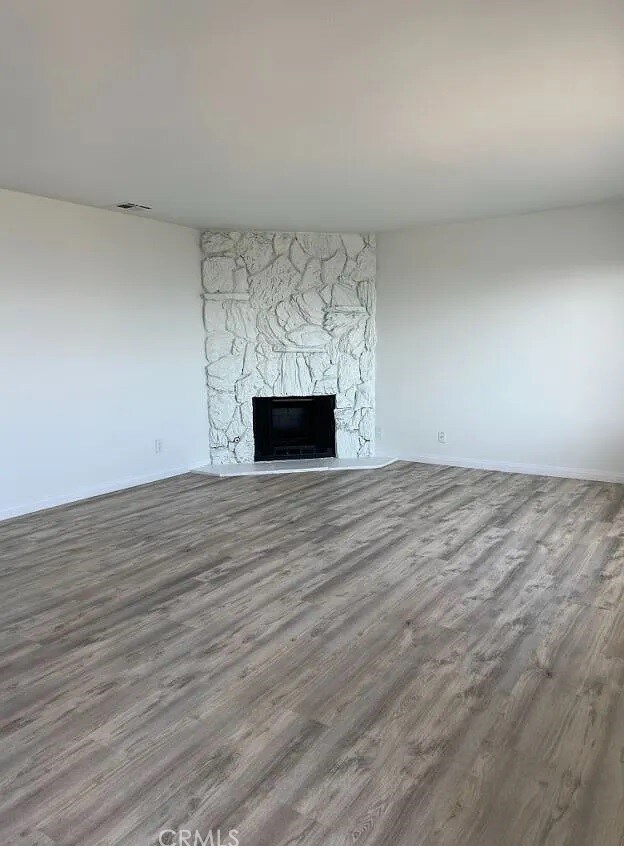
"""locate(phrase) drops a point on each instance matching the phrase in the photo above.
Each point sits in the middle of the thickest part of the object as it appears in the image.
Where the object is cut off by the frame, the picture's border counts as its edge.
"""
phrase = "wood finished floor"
(414, 654)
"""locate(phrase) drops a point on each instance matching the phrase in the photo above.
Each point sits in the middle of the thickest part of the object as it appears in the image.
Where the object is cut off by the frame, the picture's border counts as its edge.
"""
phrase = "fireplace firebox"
(294, 427)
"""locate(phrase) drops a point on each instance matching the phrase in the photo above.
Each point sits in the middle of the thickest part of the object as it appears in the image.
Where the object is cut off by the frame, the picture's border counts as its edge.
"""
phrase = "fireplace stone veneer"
(288, 314)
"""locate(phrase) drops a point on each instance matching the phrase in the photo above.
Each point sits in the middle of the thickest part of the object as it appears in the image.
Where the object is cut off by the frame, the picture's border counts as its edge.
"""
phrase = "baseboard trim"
(519, 468)
(428, 459)
(94, 492)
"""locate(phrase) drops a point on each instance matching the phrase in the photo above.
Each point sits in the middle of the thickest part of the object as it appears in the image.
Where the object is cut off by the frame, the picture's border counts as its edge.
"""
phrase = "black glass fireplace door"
(294, 427)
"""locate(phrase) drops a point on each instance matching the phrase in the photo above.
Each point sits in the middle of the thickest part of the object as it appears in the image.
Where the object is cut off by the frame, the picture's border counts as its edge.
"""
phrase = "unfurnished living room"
(311, 422)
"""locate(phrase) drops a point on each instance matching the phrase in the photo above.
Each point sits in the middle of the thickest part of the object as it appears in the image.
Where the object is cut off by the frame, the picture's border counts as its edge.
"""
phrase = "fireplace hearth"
(294, 427)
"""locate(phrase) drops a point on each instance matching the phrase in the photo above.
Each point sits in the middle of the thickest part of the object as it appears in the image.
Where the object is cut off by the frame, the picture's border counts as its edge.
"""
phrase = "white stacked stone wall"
(288, 314)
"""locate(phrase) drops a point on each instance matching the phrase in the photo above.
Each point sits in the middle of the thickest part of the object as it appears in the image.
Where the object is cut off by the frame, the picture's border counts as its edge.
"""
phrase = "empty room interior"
(312, 422)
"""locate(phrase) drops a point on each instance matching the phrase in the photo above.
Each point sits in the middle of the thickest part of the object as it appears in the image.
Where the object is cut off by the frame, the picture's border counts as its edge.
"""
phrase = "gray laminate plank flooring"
(416, 654)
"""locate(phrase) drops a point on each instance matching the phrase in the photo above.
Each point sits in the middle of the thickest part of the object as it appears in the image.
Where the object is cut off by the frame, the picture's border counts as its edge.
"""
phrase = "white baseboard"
(93, 492)
(519, 468)
(429, 459)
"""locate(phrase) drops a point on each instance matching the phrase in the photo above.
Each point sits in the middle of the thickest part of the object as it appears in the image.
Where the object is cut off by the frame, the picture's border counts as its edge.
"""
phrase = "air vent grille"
(131, 205)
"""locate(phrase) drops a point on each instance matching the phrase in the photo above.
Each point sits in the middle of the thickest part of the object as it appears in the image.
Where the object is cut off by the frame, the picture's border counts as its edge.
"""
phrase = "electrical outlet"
(378, 433)
(442, 437)
(157, 446)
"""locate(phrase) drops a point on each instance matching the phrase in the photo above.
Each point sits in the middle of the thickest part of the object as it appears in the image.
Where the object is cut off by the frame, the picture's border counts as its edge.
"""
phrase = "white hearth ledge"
(255, 469)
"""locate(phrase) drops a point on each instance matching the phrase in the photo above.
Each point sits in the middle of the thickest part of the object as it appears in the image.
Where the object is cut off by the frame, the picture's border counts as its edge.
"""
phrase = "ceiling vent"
(131, 205)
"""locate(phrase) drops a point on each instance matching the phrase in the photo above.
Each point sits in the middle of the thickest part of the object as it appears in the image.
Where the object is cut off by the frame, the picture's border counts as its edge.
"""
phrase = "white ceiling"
(314, 114)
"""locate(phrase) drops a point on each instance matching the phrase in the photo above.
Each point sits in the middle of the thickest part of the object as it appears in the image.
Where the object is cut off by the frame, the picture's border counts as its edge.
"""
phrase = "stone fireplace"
(288, 315)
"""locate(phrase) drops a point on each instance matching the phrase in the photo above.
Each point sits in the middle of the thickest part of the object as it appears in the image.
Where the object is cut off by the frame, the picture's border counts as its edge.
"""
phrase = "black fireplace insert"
(294, 427)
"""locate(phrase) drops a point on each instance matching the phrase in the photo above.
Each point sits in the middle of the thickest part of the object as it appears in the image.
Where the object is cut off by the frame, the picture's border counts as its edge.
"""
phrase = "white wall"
(508, 334)
(100, 352)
